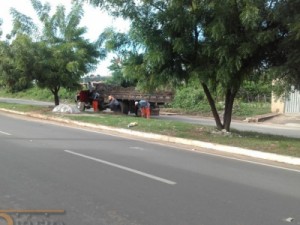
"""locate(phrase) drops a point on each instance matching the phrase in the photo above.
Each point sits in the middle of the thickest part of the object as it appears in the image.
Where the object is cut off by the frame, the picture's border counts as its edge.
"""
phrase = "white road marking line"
(2, 132)
(188, 149)
(124, 168)
(137, 148)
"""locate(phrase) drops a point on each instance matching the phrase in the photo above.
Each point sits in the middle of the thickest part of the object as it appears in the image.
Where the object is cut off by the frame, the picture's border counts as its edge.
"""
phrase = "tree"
(285, 68)
(62, 54)
(121, 45)
(241, 40)
(223, 43)
(1, 22)
(16, 63)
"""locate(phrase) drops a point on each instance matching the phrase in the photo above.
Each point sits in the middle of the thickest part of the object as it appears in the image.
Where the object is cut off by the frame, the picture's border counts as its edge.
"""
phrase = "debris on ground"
(132, 124)
(221, 132)
(63, 108)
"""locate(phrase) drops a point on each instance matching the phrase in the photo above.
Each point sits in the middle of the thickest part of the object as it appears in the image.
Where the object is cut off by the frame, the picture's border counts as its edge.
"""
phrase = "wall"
(290, 104)
(277, 105)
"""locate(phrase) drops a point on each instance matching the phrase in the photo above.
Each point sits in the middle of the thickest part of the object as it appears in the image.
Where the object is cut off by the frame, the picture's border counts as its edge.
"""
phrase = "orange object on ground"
(148, 112)
(145, 112)
(95, 106)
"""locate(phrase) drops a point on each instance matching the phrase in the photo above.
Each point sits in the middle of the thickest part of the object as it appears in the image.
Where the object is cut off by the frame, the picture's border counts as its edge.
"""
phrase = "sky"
(94, 19)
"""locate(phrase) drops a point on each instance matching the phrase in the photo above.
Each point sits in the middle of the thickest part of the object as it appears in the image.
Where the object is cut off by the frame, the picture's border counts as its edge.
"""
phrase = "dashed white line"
(137, 148)
(124, 168)
(2, 132)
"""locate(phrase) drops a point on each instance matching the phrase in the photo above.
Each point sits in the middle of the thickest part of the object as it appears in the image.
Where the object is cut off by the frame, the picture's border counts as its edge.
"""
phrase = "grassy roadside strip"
(24, 108)
(249, 140)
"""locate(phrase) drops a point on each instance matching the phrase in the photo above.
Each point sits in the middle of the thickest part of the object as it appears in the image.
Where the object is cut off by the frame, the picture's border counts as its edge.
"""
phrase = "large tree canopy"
(223, 43)
(58, 54)
(286, 70)
(124, 49)
(16, 63)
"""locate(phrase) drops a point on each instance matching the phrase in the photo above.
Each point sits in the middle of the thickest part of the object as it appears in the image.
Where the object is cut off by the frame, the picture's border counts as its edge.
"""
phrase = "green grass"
(242, 109)
(36, 93)
(249, 140)
(24, 108)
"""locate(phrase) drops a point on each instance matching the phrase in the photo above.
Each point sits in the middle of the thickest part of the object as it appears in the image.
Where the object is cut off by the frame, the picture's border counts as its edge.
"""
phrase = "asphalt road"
(108, 180)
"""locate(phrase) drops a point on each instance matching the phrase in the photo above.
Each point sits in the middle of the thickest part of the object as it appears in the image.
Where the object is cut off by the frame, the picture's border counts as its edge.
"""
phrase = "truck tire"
(124, 107)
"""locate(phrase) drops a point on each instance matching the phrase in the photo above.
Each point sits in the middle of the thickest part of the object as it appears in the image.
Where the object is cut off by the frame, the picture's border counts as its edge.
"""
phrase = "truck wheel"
(124, 107)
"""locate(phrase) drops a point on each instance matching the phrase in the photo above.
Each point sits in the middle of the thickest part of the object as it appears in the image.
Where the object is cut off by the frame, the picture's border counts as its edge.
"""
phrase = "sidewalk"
(271, 118)
(150, 136)
(285, 119)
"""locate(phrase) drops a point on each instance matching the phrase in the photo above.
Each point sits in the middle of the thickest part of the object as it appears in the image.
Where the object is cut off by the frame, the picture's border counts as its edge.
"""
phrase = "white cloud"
(94, 19)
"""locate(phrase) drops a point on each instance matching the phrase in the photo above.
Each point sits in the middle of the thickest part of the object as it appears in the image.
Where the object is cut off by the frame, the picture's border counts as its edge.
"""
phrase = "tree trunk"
(213, 107)
(55, 94)
(229, 99)
(56, 98)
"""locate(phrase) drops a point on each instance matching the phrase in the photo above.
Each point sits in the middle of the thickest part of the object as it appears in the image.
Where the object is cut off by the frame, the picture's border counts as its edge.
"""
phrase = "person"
(113, 104)
(136, 108)
(90, 87)
(145, 108)
(91, 90)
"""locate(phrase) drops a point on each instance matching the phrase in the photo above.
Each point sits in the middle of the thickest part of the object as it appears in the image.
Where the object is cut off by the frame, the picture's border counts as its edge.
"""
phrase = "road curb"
(217, 147)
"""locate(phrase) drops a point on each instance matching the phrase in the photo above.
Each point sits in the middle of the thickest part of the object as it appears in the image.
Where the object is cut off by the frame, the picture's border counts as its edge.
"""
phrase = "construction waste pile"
(130, 93)
(63, 108)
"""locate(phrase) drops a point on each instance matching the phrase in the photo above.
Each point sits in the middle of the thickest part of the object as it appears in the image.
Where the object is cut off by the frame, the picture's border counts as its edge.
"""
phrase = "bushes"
(243, 109)
(193, 100)
(190, 99)
(36, 93)
(257, 91)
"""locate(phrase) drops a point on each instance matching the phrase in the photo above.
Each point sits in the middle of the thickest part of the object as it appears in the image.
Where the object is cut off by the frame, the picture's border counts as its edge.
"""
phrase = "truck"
(127, 96)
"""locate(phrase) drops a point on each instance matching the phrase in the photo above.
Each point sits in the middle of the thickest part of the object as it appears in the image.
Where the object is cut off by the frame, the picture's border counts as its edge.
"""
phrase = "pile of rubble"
(63, 108)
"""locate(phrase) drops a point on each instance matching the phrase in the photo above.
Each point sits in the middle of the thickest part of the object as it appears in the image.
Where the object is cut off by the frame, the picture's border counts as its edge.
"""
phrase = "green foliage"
(17, 60)
(118, 77)
(37, 93)
(191, 99)
(255, 91)
(223, 43)
(286, 66)
(55, 57)
(126, 51)
(243, 109)
(1, 32)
